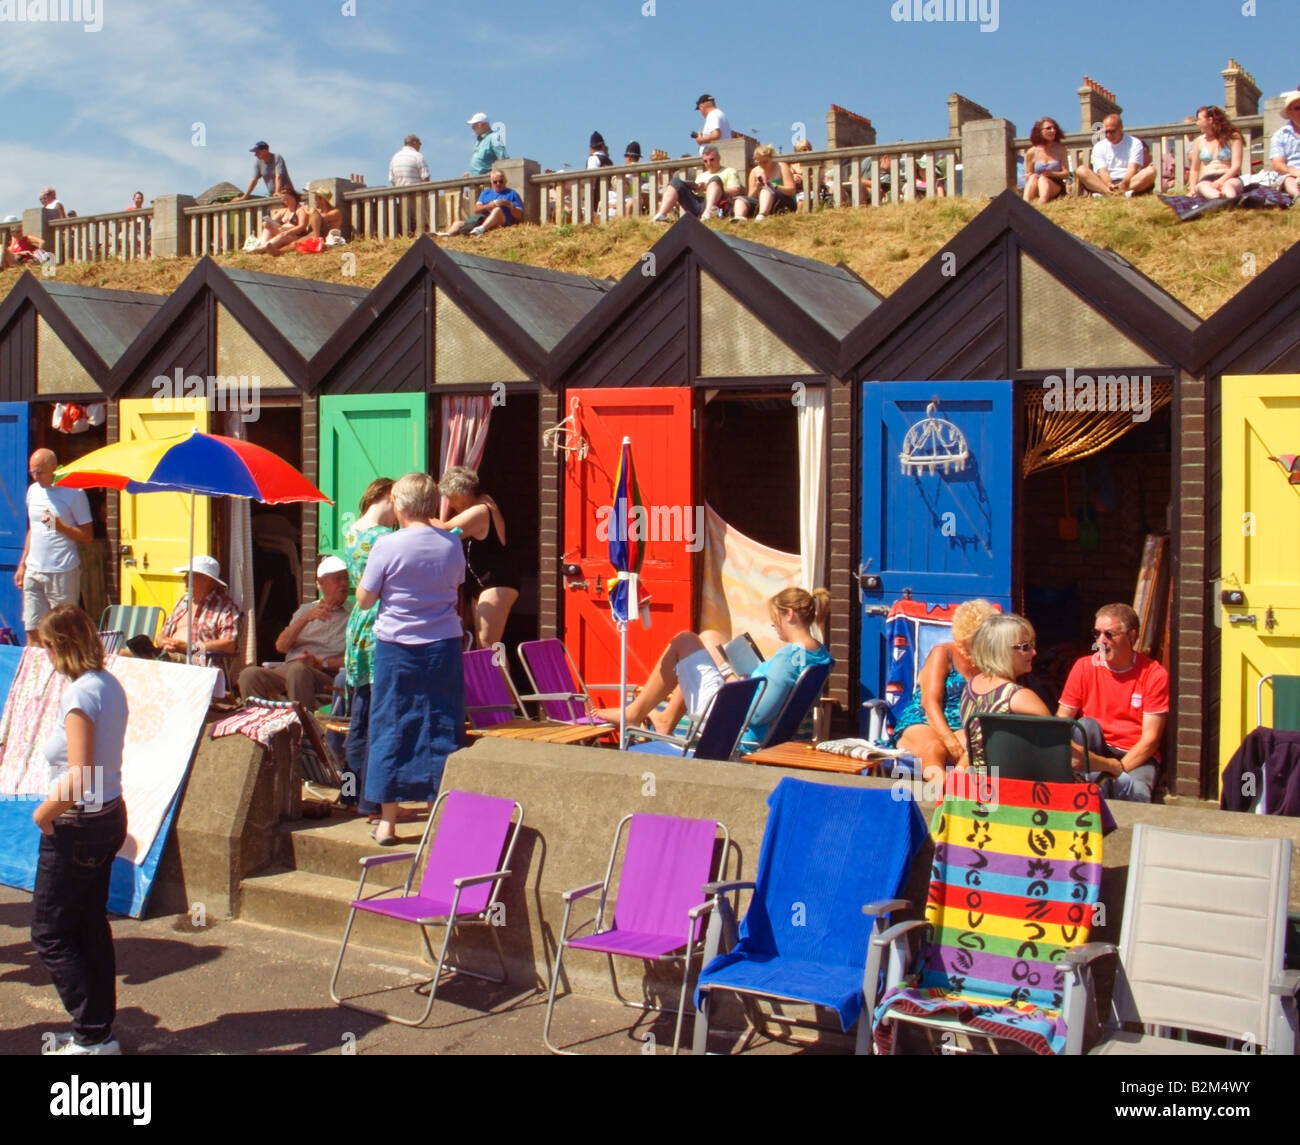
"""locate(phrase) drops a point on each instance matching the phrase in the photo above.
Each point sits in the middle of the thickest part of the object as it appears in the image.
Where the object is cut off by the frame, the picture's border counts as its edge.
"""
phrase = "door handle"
(1242, 618)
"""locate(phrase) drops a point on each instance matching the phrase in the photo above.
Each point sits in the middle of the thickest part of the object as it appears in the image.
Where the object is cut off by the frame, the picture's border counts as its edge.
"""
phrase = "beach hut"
(444, 363)
(228, 352)
(1249, 353)
(58, 344)
(718, 357)
(1062, 376)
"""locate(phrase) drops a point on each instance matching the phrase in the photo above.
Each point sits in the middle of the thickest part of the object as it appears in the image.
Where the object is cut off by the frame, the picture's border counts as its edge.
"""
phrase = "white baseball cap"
(477, 117)
(205, 566)
(330, 565)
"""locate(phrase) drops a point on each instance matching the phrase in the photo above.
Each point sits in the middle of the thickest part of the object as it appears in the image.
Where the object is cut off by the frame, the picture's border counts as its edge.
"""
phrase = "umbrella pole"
(629, 579)
(189, 605)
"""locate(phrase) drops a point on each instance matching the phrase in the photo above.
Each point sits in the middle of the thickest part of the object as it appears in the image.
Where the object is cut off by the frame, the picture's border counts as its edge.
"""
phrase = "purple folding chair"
(657, 913)
(490, 696)
(557, 684)
(462, 879)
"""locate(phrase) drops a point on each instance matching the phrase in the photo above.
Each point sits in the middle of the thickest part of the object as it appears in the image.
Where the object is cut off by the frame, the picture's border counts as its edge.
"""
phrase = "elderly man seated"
(1122, 698)
(312, 644)
(715, 187)
(215, 617)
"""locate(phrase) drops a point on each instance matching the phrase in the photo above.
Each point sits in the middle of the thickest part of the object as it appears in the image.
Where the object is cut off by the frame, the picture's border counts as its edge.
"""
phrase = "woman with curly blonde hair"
(930, 725)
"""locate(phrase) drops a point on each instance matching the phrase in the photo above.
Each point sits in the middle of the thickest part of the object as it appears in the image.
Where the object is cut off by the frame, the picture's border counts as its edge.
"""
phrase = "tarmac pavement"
(236, 988)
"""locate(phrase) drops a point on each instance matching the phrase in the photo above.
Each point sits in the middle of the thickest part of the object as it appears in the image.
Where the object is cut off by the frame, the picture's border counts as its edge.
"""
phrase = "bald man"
(58, 521)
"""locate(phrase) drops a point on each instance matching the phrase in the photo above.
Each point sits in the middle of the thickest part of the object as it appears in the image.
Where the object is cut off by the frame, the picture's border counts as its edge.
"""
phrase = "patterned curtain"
(465, 420)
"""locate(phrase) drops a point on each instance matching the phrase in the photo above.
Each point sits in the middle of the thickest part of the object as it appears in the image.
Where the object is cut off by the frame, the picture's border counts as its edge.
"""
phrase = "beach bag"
(335, 238)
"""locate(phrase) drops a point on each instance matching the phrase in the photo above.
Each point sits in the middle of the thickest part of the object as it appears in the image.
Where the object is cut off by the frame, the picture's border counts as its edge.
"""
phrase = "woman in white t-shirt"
(83, 825)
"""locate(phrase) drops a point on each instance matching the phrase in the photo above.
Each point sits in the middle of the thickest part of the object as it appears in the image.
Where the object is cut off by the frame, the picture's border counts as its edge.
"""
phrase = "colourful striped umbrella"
(200, 464)
(626, 548)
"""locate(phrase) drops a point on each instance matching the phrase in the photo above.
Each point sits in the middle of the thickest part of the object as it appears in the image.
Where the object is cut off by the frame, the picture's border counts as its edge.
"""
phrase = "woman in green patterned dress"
(376, 519)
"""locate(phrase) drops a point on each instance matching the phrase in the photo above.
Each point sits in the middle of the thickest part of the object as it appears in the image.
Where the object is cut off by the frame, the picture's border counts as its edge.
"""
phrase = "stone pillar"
(737, 152)
(1095, 103)
(335, 188)
(988, 158)
(1273, 119)
(171, 227)
(519, 175)
(845, 128)
(962, 111)
(1240, 91)
(36, 223)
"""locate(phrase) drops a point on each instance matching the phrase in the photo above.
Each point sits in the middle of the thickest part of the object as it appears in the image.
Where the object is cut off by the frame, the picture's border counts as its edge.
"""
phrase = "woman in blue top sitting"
(692, 668)
(1046, 170)
(930, 725)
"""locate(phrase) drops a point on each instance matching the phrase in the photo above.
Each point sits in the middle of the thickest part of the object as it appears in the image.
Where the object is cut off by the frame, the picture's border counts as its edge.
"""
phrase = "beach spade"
(1089, 534)
(1067, 527)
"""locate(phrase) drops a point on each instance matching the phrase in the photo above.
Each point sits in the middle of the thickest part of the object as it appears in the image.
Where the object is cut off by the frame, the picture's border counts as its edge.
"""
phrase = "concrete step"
(335, 847)
(309, 903)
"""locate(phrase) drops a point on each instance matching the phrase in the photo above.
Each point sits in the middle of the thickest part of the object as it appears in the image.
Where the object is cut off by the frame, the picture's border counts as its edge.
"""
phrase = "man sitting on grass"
(715, 187)
(1117, 166)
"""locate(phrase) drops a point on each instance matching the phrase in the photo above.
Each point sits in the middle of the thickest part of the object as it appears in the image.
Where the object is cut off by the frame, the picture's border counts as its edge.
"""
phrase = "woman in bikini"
(1216, 156)
(1046, 170)
(490, 564)
(1003, 650)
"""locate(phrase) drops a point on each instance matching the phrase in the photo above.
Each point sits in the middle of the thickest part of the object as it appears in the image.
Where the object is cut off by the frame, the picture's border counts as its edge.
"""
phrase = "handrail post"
(988, 158)
(171, 229)
(519, 175)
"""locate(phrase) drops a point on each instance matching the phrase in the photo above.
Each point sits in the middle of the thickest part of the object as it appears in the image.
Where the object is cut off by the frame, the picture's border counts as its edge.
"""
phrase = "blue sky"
(100, 114)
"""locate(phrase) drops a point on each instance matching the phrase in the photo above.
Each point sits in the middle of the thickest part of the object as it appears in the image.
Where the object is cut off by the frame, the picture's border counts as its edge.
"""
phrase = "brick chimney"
(1240, 91)
(1095, 103)
(845, 128)
(962, 110)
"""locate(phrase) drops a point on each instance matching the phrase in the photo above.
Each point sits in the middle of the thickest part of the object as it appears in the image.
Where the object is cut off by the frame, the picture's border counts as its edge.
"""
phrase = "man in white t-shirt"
(716, 126)
(1117, 166)
(58, 520)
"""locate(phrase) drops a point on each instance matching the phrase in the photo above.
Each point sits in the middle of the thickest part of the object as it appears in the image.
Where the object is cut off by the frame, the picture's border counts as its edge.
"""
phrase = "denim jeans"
(70, 918)
(358, 744)
(1133, 786)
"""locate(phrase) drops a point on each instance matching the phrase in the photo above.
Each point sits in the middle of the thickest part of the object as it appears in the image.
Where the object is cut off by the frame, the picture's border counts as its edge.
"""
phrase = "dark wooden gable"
(182, 336)
(1257, 331)
(391, 348)
(17, 346)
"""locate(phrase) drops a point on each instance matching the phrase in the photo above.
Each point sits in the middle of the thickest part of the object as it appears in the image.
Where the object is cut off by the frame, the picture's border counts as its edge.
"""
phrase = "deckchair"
(1201, 948)
(112, 640)
(1016, 875)
(656, 915)
(131, 620)
(831, 861)
(717, 733)
(319, 764)
(1286, 702)
(468, 851)
(807, 688)
(493, 706)
(557, 685)
(1028, 747)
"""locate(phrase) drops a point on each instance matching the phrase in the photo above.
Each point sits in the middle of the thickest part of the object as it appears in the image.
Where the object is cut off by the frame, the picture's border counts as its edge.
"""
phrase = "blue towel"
(826, 852)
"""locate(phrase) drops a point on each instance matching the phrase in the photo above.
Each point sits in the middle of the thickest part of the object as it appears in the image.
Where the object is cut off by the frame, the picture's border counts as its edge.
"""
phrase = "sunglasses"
(1026, 646)
(1107, 634)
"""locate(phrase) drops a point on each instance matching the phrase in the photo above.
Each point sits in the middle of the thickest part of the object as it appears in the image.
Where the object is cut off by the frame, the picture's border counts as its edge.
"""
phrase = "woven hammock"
(1058, 437)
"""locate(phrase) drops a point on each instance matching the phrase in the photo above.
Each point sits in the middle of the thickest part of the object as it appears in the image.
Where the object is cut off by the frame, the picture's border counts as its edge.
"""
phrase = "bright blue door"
(939, 537)
(13, 510)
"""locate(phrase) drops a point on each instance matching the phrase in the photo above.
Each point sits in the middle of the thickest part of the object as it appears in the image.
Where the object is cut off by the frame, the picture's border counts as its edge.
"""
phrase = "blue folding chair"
(807, 688)
(830, 865)
(717, 733)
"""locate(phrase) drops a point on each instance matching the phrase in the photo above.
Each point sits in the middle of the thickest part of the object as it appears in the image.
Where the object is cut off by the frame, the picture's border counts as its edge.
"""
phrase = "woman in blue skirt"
(417, 713)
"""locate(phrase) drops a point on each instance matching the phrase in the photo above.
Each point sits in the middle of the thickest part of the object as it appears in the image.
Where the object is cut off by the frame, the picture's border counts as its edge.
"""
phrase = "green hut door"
(362, 437)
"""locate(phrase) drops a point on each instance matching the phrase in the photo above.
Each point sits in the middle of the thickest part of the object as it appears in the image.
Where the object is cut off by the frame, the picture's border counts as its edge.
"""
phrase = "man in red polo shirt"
(1122, 698)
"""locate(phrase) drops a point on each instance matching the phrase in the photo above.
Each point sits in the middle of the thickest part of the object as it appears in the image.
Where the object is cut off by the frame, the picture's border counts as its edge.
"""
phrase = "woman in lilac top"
(417, 714)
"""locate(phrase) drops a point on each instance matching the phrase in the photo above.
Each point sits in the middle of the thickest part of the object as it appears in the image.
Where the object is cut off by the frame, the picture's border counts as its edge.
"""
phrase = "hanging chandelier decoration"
(933, 444)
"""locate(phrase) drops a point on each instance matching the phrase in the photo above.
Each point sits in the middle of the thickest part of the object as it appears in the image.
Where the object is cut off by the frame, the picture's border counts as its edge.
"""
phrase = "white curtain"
(812, 489)
(465, 420)
(239, 545)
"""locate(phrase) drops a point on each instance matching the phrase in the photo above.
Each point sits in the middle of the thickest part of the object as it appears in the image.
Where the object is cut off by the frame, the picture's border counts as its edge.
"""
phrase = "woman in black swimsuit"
(492, 570)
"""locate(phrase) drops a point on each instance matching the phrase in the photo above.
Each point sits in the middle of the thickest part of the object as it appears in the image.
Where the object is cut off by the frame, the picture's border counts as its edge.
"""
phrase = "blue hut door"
(938, 537)
(13, 510)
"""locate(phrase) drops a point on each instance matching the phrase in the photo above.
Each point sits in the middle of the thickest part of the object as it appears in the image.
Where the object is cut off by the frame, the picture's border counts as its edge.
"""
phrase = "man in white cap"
(312, 644)
(58, 520)
(215, 617)
(1284, 150)
(489, 147)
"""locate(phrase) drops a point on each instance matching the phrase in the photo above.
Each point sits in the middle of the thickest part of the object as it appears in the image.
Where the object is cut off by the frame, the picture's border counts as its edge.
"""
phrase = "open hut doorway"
(1089, 528)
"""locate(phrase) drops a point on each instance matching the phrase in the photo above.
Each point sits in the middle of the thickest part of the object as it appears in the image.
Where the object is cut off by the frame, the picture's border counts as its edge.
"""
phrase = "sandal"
(384, 840)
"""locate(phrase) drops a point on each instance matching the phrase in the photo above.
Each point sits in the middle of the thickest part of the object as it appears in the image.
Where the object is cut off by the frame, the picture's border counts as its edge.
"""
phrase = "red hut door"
(659, 422)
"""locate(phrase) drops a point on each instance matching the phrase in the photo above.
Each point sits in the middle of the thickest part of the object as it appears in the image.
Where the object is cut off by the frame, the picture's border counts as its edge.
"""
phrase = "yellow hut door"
(1261, 547)
(156, 526)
